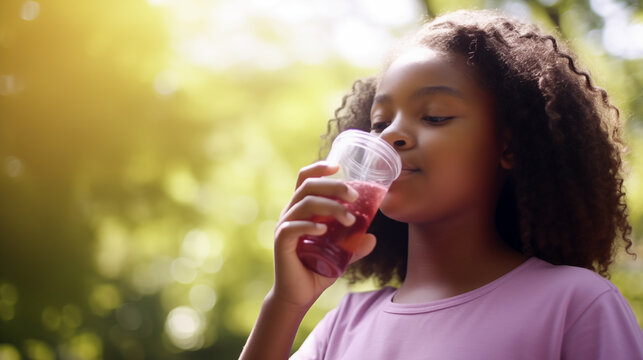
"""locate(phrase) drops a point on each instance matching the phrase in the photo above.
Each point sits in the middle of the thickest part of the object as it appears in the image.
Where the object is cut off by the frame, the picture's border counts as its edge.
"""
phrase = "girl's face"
(429, 106)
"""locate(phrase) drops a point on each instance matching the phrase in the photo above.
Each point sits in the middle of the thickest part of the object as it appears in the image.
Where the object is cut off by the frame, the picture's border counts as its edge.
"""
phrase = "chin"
(403, 211)
(396, 210)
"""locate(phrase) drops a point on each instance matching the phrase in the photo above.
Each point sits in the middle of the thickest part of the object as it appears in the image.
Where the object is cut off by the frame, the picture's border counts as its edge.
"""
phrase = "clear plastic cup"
(369, 165)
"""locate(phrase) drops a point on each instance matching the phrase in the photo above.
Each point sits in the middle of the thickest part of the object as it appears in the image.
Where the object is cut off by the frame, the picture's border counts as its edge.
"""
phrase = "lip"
(408, 170)
(405, 175)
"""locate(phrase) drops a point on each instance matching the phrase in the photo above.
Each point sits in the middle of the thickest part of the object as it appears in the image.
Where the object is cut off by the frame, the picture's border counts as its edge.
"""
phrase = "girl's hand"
(295, 284)
(296, 288)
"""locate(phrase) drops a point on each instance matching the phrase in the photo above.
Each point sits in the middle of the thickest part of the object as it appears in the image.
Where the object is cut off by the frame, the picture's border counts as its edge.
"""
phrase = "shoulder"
(580, 314)
(595, 320)
(556, 292)
(587, 300)
(565, 279)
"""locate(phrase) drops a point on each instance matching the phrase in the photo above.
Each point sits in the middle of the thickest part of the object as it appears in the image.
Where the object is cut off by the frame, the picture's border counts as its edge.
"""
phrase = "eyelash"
(432, 119)
(380, 126)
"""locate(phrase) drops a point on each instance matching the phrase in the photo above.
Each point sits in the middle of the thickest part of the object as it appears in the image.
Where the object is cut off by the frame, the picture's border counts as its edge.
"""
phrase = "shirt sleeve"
(606, 330)
(314, 347)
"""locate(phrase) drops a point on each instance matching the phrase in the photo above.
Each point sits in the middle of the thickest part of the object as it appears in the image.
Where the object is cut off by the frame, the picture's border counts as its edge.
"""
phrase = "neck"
(453, 256)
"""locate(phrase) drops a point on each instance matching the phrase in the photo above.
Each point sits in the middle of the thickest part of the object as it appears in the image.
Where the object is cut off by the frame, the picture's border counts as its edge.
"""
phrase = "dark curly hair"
(563, 200)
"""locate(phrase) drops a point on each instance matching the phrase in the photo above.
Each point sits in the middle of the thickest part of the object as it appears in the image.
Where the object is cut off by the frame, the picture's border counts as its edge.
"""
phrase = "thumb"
(366, 245)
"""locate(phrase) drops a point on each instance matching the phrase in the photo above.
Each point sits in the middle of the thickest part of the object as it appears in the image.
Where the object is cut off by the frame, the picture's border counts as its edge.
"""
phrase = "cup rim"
(382, 148)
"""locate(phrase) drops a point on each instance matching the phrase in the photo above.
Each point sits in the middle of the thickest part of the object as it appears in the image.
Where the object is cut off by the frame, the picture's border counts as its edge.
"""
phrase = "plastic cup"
(369, 165)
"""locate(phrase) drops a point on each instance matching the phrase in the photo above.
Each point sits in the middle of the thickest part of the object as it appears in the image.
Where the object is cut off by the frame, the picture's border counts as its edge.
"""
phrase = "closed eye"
(437, 119)
(379, 126)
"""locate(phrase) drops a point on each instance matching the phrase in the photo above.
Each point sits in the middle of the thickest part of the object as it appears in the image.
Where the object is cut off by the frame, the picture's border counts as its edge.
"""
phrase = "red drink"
(329, 253)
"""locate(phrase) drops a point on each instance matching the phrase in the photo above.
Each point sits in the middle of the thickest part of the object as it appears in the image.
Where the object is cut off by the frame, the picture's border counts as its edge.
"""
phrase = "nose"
(398, 134)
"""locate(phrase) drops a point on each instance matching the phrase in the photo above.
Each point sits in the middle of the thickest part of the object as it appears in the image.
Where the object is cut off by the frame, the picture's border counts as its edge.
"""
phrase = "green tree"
(139, 189)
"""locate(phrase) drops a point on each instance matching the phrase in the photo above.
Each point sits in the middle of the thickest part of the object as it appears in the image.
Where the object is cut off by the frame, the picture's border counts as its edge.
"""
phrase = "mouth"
(409, 169)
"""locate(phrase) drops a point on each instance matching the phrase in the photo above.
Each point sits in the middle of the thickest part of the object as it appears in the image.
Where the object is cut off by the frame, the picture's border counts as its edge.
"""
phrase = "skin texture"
(443, 125)
(447, 138)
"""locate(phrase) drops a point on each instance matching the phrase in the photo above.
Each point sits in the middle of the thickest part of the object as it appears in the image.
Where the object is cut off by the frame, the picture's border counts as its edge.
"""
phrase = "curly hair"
(563, 200)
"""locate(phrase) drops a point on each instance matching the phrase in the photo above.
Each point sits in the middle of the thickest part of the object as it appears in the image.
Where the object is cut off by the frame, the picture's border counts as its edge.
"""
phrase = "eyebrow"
(427, 90)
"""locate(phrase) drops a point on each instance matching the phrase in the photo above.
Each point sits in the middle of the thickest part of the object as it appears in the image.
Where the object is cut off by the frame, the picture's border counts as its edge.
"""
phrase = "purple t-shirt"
(536, 311)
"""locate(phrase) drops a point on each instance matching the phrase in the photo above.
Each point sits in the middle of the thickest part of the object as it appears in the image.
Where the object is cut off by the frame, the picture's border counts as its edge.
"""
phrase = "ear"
(507, 158)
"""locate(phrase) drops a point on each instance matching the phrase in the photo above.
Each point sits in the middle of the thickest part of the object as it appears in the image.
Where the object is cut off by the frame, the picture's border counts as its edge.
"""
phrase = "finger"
(318, 169)
(312, 206)
(366, 245)
(333, 188)
(288, 232)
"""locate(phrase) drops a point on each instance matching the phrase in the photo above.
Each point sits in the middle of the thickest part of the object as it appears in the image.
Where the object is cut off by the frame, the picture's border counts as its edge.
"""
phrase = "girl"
(509, 207)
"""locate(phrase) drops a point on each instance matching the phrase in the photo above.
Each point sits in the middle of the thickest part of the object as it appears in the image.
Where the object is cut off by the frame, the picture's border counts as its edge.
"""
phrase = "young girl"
(509, 207)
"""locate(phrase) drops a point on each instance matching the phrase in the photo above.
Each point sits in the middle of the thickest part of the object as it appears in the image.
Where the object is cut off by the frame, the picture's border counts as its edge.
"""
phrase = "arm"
(274, 331)
(296, 288)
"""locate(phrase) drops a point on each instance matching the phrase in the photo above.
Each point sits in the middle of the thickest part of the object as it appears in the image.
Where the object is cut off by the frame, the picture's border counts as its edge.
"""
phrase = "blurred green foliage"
(139, 191)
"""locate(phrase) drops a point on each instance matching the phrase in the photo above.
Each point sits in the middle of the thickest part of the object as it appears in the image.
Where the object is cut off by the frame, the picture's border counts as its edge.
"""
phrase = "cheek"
(461, 169)
(469, 163)
(463, 163)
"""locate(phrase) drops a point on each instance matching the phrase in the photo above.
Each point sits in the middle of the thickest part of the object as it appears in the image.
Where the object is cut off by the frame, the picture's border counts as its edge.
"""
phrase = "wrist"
(285, 305)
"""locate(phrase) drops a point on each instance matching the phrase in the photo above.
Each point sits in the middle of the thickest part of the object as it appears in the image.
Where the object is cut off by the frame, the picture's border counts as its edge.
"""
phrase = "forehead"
(421, 66)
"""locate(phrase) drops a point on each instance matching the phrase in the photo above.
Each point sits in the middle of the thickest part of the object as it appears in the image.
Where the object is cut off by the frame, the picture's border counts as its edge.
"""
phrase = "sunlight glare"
(212, 265)
(361, 43)
(619, 29)
(273, 35)
(391, 13)
(8, 84)
(160, 2)
(183, 270)
(104, 298)
(37, 350)
(9, 352)
(166, 83)
(203, 297)
(30, 10)
(184, 326)
(196, 245)
(150, 278)
(112, 247)
(13, 166)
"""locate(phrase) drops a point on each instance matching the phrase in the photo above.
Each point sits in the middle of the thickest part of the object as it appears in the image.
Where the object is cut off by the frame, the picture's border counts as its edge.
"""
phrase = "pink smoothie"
(329, 254)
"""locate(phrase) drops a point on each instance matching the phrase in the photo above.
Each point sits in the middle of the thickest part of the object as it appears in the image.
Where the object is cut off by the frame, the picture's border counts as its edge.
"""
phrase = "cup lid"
(376, 147)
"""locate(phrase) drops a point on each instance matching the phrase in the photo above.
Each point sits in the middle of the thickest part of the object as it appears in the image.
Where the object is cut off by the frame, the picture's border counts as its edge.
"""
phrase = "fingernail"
(352, 194)
(320, 227)
(351, 219)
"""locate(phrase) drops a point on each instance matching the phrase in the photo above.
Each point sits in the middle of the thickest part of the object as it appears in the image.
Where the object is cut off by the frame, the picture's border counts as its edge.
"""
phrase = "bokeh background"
(147, 148)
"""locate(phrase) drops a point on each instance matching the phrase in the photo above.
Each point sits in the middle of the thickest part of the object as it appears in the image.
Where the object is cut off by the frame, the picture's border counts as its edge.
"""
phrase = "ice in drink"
(328, 254)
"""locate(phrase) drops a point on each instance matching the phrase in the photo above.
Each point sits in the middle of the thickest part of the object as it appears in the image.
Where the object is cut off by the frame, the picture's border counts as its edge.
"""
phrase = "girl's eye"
(379, 126)
(437, 119)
